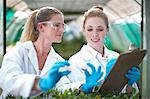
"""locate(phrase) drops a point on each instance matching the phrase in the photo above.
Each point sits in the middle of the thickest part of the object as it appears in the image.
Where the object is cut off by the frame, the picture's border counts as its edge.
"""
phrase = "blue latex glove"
(91, 79)
(53, 76)
(133, 75)
(109, 66)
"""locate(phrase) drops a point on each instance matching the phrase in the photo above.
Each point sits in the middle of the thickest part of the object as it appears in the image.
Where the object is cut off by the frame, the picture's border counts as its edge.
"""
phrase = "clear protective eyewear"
(55, 25)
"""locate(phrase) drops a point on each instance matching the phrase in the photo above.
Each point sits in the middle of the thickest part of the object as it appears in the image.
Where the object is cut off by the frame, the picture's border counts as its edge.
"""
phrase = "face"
(54, 29)
(95, 31)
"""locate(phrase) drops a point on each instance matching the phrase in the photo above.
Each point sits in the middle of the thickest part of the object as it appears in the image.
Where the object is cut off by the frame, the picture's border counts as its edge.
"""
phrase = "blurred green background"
(120, 35)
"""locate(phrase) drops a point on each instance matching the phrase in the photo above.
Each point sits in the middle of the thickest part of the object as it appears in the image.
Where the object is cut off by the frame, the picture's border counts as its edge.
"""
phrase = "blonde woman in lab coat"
(32, 66)
(94, 61)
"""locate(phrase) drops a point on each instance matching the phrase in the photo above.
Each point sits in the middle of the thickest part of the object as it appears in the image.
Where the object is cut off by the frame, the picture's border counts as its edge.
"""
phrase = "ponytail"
(30, 32)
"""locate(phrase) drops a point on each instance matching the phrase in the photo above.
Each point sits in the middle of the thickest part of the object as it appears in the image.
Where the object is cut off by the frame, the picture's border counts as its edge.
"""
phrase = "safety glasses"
(55, 25)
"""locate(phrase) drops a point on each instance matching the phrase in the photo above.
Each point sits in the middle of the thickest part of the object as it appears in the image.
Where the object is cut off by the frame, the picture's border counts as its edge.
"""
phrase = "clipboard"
(116, 79)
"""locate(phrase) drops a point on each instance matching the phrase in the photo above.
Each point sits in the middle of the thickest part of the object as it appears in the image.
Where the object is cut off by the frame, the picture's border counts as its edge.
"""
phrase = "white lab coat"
(88, 54)
(20, 67)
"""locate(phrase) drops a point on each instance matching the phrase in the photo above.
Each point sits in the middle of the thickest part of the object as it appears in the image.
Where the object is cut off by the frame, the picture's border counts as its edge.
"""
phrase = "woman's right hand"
(92, 80)
(53, 76)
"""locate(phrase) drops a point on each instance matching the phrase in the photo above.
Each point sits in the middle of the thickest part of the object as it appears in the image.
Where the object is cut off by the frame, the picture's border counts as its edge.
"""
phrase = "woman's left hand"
(133, 75)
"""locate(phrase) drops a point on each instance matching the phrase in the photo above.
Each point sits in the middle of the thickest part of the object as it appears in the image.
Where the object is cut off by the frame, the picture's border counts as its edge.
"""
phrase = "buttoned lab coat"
(88, 55)
(20, 67)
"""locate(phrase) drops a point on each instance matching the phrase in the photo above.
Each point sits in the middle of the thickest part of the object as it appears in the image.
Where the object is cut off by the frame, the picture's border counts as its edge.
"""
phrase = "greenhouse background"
(125, 17)
(125, 28)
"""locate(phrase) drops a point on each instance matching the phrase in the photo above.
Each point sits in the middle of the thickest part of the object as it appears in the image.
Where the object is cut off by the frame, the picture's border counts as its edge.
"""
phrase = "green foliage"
(0, 91)
(68, 48)
(75, 94)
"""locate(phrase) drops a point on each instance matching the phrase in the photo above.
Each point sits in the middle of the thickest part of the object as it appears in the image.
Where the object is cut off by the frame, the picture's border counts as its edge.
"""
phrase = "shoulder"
(74, 57)
(25, 45)
(78, 54)
(18, 49)
(111, 52)
(114, 53)
(78, 58)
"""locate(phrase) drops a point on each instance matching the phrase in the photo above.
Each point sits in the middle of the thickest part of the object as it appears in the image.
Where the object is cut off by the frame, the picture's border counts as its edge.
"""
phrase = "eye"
(89, 30)
(56, 24)
(100, 30)
(59, 25)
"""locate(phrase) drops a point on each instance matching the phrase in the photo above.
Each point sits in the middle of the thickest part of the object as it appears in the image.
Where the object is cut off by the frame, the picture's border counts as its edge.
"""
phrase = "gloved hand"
(109, 66)
(91, 79)
(133, 75)
(53, 76)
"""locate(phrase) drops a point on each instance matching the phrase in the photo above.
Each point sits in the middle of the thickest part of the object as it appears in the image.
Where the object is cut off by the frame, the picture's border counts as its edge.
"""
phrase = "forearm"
(129, 89)
(20, 85)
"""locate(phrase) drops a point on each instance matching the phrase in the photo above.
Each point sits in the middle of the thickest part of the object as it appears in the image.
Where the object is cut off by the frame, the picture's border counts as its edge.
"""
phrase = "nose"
(95, 34)
(61, 30)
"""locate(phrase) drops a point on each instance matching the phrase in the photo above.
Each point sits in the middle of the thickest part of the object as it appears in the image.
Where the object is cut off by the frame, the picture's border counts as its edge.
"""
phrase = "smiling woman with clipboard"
(92, 59)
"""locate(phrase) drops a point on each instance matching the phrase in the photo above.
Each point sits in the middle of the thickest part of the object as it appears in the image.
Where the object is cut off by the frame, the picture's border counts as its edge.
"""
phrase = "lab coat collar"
(88, 54)
(51, 58)
(32, 55)
(92, 51)
(96, 53)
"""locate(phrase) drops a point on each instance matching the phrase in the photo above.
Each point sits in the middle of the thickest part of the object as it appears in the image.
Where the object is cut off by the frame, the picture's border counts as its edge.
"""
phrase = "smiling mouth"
(58, 35)
(95, 40)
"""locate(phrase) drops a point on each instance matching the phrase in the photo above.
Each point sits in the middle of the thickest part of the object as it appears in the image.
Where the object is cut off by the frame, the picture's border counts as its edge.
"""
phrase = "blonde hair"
(43, 14)
(95, 11)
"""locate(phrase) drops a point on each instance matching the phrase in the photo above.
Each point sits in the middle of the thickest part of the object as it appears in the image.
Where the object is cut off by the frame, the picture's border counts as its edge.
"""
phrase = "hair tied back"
(98, 7)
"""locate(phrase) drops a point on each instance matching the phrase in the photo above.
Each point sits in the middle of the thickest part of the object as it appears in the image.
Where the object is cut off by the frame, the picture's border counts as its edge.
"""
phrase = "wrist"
(130, 82)
(41, 85)
(129, 88)
(86, 89)
(45, 84)
(36, 84)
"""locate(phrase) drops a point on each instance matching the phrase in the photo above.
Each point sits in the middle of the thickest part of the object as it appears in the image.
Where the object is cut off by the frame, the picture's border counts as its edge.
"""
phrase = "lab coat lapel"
(88, 56)
(33, 58)
(47, 65)
(51, 59)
